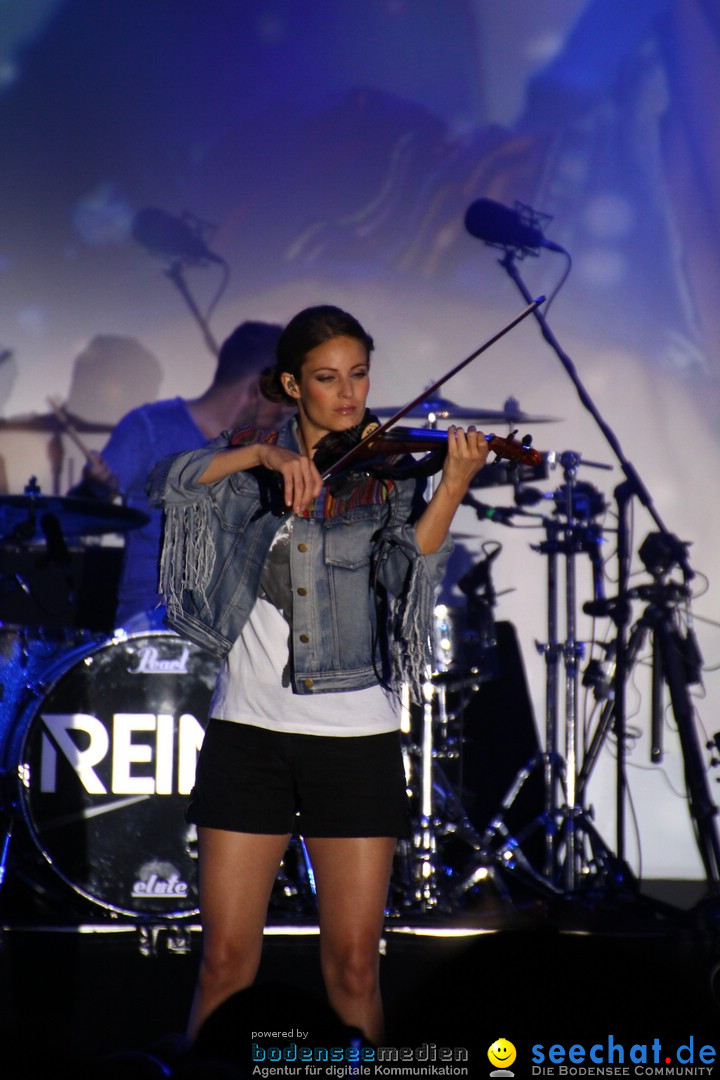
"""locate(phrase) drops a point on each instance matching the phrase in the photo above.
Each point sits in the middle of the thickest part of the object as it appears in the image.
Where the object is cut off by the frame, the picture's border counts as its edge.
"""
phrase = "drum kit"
(99, 735)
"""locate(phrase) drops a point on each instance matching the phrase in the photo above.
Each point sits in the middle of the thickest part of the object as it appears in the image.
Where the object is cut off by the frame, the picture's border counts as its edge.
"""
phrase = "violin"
(370, 449)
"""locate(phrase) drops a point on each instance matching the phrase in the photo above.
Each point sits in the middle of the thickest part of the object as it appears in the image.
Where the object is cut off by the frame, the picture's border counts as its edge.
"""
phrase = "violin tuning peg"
(527, 442)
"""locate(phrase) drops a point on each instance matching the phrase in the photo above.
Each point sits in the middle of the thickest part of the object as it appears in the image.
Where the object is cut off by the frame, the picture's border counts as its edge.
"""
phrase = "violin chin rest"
(336, 444)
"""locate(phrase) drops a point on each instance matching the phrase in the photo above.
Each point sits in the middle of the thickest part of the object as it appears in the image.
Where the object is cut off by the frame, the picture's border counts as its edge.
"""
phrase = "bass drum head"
(106, 760)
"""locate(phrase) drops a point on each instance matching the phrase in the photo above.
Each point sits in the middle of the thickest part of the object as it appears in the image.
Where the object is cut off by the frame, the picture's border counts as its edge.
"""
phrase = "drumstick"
(70, 430)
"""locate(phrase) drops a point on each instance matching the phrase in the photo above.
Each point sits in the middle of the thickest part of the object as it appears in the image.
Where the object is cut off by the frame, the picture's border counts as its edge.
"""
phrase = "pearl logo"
(150, 662)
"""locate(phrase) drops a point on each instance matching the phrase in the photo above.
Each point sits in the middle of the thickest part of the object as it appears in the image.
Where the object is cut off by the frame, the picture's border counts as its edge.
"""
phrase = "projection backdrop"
(327, 150)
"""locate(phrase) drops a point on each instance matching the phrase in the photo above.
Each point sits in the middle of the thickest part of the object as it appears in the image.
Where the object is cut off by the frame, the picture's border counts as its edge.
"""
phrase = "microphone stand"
(175, 273)
(631, 487)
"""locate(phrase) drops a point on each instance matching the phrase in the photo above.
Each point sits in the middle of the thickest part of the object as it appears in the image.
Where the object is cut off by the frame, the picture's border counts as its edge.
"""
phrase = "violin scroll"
(522, 452)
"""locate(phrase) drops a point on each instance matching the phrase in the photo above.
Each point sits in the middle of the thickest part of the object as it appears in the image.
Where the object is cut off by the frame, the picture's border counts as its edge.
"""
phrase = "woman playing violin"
(317, 624)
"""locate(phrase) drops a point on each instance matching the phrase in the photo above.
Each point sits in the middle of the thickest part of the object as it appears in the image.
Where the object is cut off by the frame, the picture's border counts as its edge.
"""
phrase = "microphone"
(163, 234)
(502, 514)
(598, 609)
(529, 496)
(499, 226)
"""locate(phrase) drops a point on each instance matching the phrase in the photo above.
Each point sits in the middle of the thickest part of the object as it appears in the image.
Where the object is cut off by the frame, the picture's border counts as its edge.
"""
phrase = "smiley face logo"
(501, 1054)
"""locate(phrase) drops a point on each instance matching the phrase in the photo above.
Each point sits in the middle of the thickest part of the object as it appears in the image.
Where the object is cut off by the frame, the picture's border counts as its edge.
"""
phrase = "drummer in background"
(151, 431)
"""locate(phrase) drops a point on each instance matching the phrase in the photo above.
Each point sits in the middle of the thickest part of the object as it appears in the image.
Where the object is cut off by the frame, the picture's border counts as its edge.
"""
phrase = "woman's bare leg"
(236, 876)
(352, 877)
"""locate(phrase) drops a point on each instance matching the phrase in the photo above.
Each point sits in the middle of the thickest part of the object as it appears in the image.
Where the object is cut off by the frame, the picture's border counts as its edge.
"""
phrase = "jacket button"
(309, 683)
(304, 638)
(302, 547)
(302, 591)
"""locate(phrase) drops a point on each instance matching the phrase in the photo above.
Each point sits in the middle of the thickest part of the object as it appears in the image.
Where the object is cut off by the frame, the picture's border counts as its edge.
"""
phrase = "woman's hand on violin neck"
(301, 480)
(467, 453)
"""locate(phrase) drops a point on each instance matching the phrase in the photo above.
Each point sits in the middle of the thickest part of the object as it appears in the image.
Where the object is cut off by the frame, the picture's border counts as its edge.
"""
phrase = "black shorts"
(253, 780)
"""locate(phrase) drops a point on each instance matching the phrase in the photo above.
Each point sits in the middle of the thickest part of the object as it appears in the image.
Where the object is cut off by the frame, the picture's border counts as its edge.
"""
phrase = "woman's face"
(333, 387)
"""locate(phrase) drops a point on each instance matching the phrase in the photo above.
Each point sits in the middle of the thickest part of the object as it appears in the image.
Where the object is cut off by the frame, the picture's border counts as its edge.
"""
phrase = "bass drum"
(105, 759)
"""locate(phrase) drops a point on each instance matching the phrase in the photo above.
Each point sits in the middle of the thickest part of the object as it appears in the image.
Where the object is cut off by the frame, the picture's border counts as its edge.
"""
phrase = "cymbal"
(51, 424)
(442, 409)
(21, 517)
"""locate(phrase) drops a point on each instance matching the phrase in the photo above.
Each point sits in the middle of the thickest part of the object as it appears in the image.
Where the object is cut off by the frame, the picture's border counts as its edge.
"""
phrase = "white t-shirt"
(250, 690)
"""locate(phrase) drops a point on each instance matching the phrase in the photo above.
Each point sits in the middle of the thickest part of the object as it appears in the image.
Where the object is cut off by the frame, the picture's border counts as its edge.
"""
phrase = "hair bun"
(272, 388)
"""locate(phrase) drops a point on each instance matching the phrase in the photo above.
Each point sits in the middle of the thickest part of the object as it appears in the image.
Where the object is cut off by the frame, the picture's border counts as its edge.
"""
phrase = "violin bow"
(357, 450)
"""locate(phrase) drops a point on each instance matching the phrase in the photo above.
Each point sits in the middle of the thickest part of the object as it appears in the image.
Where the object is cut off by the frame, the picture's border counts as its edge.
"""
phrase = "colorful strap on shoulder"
(248, 433)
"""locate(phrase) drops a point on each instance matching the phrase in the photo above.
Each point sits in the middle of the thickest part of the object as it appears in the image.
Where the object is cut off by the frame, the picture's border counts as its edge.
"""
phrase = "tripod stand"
(573, 851)
(675, 665)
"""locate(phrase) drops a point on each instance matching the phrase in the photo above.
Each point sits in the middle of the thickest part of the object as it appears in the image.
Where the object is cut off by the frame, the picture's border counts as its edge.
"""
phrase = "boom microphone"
(498, 225)
(163, 234)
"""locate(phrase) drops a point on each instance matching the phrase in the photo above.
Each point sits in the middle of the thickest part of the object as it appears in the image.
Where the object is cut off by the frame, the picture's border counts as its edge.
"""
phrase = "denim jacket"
(346, 566)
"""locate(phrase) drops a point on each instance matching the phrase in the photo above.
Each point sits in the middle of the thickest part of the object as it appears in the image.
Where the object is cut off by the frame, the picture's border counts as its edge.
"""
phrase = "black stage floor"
(631, 985)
